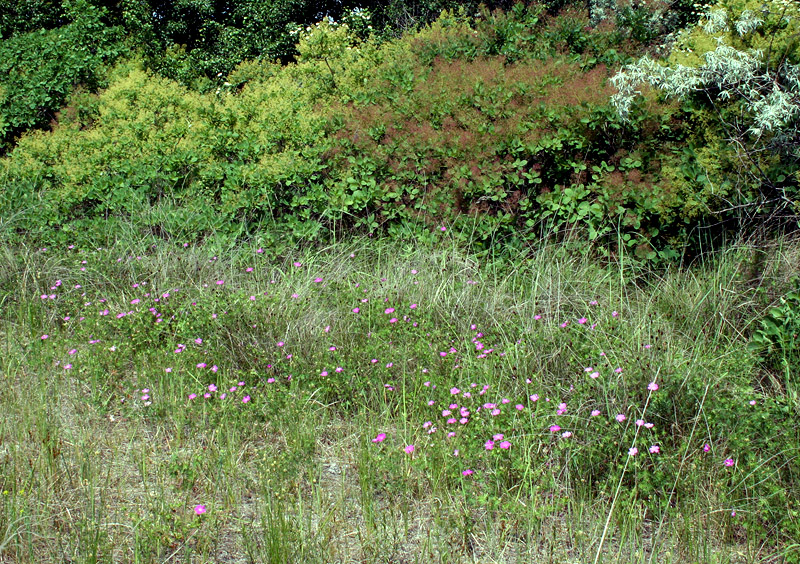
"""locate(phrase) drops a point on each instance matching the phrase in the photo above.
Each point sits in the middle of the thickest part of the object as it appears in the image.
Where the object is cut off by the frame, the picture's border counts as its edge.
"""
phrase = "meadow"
(386, 400)
(410, 281)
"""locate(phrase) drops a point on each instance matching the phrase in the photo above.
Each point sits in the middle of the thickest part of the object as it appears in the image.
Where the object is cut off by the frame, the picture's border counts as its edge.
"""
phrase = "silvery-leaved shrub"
(737, 73)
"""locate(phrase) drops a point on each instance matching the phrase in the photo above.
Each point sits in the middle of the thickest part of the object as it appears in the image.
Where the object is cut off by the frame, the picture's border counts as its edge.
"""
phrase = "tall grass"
(599, 412)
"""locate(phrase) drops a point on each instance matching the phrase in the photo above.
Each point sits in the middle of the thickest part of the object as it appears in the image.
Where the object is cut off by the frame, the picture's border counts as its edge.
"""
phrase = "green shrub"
(39, 69)
(778, 337)
(735, 74)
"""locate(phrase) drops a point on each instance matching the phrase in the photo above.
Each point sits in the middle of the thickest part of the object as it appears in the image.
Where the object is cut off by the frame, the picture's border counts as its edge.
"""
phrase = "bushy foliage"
(506, 118)
(778, 337)
(194, 41)
(646, 22)
(22, 16)
(147, 139)
(38, 69)
(736, 74)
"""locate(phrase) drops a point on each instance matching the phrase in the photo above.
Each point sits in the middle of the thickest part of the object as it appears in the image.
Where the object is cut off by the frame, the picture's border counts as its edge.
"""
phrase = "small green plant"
(778, 337)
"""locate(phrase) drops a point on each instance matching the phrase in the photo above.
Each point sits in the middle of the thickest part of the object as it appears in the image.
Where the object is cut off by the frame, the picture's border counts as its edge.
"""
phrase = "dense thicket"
(503, 116)
(67, 43)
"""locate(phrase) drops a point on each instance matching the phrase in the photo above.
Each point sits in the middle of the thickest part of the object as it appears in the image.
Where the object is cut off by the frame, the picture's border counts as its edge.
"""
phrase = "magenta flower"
(245, 399)
(489, 445)
(652, 386)
(655, 449)
(199, 509)
(467, 472)
(633, 451)
(380, 438)
(555, 429)
(706, 447)
(620, 417)
(505, 445)
(729, 462)
(595, 412)
(409, 449)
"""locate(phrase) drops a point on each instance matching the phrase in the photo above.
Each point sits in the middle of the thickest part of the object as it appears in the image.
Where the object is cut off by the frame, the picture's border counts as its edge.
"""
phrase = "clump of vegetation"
(41, 68)
(372, 136)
